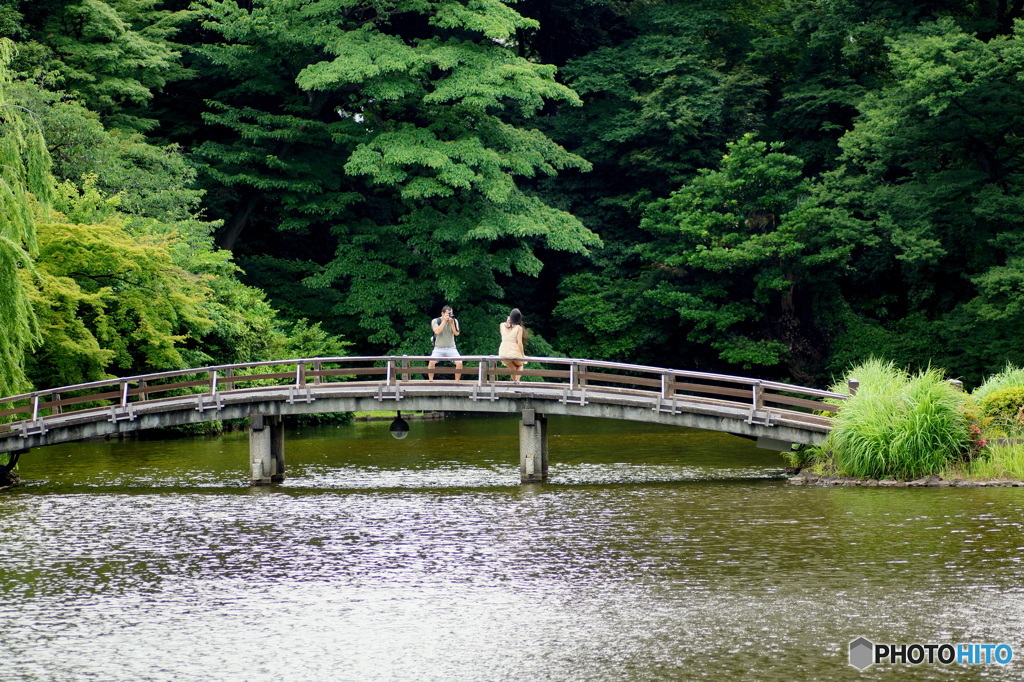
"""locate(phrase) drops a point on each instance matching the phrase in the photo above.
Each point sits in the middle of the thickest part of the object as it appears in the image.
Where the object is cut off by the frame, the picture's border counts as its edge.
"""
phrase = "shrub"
(1006, 404)
(1003, 412)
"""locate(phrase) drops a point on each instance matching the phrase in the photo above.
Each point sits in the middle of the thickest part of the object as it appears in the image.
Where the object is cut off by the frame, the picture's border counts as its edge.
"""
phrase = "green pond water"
(653, 553)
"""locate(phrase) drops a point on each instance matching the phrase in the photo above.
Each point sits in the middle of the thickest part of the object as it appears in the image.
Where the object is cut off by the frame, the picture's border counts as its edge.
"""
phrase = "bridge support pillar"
(533, 448)
(277, 450)
(266, 450)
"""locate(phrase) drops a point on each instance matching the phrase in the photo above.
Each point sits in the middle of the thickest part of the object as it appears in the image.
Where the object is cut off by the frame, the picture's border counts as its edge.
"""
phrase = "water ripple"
(403, 566)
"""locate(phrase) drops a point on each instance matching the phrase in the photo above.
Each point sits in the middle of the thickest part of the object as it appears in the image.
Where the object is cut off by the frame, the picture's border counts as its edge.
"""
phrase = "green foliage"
(608, 319)
(738, 248)
(800, 457)
(108, 300)
(24, 180)
(406, 135)
(909, 245)
(370, 162)
(113, 53)
(931, 189)
(153, 181)
(1011, 376)
(282, 280)
(822, 58)
(1006, 404)
(1004, 462)
(874, 375)
(900, 425)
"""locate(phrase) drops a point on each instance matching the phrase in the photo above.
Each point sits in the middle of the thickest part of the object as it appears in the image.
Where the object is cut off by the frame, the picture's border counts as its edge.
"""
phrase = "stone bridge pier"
(533, 448)
(266, 449)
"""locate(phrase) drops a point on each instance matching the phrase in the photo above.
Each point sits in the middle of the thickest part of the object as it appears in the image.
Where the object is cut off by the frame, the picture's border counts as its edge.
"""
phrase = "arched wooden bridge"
(777, 414)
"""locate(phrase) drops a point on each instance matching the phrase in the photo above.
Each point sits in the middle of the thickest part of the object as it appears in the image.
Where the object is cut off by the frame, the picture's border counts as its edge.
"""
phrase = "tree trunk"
(238, 220)
(7, 475)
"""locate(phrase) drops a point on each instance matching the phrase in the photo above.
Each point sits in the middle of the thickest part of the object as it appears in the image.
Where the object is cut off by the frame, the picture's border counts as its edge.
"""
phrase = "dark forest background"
(771, 187)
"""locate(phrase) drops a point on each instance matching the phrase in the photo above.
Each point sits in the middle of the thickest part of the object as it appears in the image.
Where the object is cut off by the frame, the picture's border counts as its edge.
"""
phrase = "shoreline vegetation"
(903, 429)
(807, 477)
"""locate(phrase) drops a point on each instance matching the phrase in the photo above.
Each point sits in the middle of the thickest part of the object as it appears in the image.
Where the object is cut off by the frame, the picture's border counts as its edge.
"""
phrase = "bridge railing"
(571, 375)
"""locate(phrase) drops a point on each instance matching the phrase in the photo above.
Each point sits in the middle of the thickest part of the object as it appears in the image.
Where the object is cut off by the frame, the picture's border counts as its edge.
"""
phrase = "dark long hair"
(515, 317)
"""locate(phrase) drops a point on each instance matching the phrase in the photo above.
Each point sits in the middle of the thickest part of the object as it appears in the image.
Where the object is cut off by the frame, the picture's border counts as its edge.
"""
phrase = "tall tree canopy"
(934, 179)
(782, 187)
(113, 54)
(398, 132)
(739, 257)
(25, 188)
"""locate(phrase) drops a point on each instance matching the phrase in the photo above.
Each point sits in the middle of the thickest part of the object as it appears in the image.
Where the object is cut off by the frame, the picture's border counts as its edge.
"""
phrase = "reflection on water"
(653, 553)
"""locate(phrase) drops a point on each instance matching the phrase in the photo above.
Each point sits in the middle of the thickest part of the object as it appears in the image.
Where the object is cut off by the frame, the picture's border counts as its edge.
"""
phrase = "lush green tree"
(741, 258)
(404, 129)
(112, 53)
(24, 181)
(121, 295)
(933, 181)
(109, 301)
(820, 58)
(398, 155)
(154, 181)
(658, 106)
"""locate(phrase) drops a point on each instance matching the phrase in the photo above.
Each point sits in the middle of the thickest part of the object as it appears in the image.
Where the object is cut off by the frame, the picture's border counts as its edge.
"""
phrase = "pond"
(652, 553)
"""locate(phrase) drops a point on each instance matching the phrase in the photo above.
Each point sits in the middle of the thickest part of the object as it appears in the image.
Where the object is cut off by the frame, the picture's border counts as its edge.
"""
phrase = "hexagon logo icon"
(862, 653)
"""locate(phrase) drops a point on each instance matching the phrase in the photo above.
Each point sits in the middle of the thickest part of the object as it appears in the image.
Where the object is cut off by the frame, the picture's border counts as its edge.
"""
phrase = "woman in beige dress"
(512, 343)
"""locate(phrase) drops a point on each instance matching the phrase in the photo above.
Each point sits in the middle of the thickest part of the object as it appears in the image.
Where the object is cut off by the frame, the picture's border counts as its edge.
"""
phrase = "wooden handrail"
(578, 374)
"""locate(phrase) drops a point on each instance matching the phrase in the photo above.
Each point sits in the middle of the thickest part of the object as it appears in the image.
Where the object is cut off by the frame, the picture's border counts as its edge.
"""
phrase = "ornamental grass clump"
(900, 425)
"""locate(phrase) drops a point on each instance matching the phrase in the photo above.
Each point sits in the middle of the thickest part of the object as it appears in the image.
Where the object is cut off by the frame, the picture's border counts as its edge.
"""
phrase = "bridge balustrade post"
(300, 374)
(405, 366)
(486, 372)
(124, 393)
(213, 382)
(317, 368)
(55, 399)
(577, 376)
(668, 386)
(143, 393)
(758, 398)
(533, 448)
(851, 386)
(229, 378)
